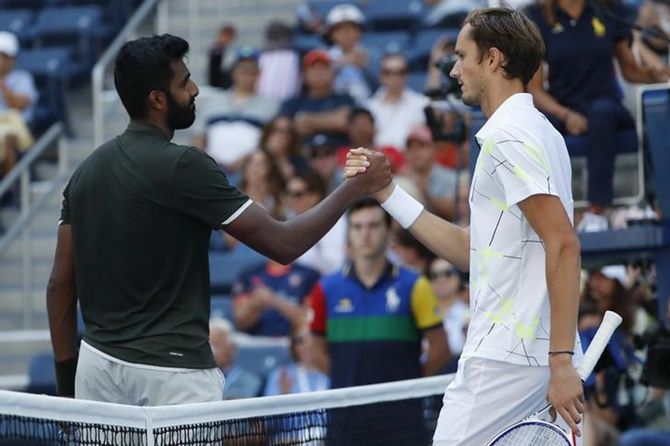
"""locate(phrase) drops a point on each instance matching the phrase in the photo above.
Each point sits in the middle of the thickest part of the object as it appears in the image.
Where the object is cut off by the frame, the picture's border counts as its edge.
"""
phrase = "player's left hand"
(357, 161)
(565, 392)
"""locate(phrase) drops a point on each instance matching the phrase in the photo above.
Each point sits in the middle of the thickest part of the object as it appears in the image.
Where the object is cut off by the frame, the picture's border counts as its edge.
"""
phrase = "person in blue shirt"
(582, 37)
(269, 298)
(301, 374)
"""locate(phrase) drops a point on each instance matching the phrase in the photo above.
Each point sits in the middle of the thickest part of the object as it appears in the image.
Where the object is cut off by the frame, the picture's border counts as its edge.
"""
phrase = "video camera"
(443, 114)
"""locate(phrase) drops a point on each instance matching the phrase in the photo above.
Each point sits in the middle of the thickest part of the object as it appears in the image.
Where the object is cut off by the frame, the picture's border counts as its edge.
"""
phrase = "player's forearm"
(447, 240)
(62, 315)
(562, 269)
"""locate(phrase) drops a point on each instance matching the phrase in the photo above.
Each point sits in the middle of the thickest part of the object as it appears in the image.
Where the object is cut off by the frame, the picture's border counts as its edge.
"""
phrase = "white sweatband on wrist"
(404, 208)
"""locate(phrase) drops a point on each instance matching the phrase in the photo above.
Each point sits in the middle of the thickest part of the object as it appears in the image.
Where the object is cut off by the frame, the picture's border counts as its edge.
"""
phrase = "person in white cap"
(17, 96)
(344, 28)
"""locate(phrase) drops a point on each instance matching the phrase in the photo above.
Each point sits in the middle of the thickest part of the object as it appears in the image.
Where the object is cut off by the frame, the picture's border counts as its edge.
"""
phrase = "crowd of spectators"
(281, 126)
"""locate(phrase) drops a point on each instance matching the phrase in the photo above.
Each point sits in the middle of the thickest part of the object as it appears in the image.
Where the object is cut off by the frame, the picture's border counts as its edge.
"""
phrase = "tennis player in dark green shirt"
(133, 243)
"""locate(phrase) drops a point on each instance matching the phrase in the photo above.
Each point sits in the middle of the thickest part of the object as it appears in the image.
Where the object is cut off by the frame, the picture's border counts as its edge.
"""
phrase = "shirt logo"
(294, 280)
(598, 27)
(344, 306)
(392, 300)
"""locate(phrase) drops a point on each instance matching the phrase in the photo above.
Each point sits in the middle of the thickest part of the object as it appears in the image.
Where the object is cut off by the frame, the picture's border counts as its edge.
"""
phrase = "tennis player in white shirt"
(521, 248)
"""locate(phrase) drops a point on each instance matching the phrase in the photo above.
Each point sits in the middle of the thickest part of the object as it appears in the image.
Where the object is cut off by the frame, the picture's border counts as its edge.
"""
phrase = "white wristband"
(402, 207)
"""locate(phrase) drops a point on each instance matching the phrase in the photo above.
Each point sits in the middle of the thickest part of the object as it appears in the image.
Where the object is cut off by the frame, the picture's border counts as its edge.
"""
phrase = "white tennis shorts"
(101, 377)
(485, 397)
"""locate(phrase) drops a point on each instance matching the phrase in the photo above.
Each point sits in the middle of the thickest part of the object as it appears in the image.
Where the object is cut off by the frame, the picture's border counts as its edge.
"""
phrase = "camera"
(445, 121)
(656, 369)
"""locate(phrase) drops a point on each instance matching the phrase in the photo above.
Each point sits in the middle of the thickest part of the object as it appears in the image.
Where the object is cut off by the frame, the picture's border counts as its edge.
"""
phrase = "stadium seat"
(41, 375)
(225, 267)
(389, 41)
(306, 42)
(383, 15)
(418, 54)
(416, 80)
(19, 22)
(221, 306)
(52, 69)
(261, 360)
(79, 26)
(29, 4)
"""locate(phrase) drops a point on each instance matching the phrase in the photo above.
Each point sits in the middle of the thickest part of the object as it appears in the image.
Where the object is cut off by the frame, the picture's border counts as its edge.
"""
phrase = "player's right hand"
(370, 170)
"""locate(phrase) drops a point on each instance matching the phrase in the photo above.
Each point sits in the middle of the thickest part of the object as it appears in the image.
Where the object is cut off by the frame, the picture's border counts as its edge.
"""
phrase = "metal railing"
(21, 174)
(100, 95)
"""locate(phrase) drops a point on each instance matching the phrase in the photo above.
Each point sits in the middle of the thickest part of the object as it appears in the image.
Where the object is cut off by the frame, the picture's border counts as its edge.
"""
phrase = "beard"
(179, 116)
(470, 100)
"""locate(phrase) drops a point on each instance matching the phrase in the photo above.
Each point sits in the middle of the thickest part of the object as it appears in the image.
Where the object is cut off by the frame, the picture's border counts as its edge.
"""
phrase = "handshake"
(372, 169)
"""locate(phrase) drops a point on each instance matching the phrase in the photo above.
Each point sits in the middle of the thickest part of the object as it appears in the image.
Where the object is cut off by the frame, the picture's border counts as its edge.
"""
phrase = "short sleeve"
(622, 31)
(424, 305)
(65, 207)
(202, 190)
(317, 304)
(520, 167)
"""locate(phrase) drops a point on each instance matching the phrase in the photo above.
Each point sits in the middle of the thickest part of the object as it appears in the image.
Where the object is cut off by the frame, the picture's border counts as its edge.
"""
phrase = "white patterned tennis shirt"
(521, 155)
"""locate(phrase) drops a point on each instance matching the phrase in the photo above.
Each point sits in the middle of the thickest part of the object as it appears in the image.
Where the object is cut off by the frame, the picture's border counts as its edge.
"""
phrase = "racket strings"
(532, 434)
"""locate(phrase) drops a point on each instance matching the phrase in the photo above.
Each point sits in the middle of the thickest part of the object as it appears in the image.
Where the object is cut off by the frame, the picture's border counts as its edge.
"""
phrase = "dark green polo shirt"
(142, 210)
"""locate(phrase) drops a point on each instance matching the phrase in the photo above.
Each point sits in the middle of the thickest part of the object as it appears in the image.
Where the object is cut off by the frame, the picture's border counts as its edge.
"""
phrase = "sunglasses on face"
(432, 275)
(392, 72)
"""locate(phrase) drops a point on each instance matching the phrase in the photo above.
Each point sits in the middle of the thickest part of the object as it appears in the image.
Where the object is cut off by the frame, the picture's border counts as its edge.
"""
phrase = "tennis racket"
(540, 429)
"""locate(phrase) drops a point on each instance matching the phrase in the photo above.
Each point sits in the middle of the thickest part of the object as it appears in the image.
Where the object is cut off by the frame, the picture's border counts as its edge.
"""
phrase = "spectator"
(221, 57)
(323, 159)
(362, 132)
(263, 182)
(304, 190)
(583, 96)
(229, 125)
(279, 63)
(270, 298)
(240, 383)
(448, 285)
(280, 140)
(369, 318)
(302, 374)
(650, 46)
(345, 26)
(436, 183)
(606, 412)
(396, 108)
(410, 252)
(319, 109)
(18, 95)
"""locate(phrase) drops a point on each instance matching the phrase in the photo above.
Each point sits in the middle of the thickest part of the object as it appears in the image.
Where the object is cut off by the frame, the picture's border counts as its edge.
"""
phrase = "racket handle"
(610, 322)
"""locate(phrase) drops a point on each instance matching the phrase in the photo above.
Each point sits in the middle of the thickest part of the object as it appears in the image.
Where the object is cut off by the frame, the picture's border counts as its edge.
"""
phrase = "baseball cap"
(614, 272)
(421, 134)
(9, 44)
(314, 57)
(321, 144)
(344, 13)
(246, 53)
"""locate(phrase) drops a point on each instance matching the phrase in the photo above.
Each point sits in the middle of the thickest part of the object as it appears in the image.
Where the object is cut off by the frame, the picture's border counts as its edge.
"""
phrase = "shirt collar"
(390, 270)
(143, 127)
(514, 102)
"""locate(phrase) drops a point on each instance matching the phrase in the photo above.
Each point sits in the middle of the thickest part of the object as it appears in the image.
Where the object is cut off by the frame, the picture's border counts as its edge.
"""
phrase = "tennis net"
(400, 413)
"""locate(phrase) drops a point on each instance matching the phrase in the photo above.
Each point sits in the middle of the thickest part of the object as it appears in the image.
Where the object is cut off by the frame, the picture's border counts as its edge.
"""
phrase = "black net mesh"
(406, 422)
(27, 431)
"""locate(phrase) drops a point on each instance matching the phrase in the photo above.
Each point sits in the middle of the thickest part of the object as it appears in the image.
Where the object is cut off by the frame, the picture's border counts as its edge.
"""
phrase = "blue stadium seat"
(416, 80)
(41, 375)
(52, 69)
(19, 22)
(262, 360)
(78, 26)
(221, 306)
(389, 41)
(307, 42)
(393, 14)
(418, 53)
(29, 4)
(225, 267)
